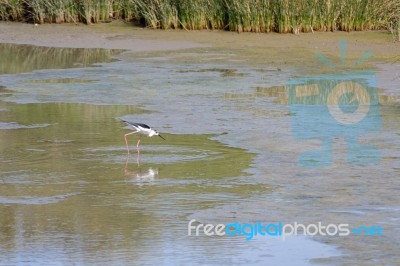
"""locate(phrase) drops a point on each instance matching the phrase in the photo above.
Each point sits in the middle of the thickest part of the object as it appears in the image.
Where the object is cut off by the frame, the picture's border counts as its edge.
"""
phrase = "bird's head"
(155, 133)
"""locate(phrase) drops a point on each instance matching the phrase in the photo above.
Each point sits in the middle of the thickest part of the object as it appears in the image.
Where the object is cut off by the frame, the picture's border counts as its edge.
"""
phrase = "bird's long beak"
(161, 137)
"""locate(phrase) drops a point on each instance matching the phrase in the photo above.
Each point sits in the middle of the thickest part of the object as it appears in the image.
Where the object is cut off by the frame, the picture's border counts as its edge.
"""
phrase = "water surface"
(69, 191)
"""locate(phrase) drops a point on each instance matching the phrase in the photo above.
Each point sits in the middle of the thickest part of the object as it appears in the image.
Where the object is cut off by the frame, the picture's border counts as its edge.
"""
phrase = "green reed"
(201, 14)
(157, 13)
(11, 10)
(284, 16)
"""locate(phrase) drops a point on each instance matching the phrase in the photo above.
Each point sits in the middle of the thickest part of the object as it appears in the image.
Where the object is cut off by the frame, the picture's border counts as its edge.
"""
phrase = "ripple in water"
(14, 125)
(33, 200)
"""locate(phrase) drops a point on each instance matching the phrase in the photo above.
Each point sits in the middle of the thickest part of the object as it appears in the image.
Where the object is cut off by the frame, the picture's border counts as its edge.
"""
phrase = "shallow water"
(70, 194)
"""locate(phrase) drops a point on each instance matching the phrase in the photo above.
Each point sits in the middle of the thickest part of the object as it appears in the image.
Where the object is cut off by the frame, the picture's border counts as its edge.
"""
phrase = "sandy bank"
(115, 36)
(287, 51)
(120, 35)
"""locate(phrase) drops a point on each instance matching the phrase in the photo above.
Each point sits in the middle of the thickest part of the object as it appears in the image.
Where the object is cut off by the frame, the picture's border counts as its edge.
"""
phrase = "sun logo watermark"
(338, 105)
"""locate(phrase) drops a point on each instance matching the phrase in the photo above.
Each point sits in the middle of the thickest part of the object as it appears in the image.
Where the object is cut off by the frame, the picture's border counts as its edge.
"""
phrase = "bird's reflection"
(139, 174)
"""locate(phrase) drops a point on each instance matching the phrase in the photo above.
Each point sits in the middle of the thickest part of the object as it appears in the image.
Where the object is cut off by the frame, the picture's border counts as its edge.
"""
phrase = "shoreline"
(284, 51)
(122, 35)
(82, 36)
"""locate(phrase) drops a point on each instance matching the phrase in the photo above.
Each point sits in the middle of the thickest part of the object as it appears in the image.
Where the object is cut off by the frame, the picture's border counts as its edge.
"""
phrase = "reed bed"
(284, 16)
(11, 10)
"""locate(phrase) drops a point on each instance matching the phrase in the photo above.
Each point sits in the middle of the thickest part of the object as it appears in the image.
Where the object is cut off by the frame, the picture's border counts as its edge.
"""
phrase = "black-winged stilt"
(141, 129)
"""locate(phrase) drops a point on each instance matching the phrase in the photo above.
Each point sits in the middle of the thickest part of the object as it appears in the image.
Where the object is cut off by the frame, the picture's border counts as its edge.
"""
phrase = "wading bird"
(141, 129)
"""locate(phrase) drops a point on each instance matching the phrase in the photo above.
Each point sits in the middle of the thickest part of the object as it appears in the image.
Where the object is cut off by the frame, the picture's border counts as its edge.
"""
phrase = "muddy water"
(70, 194)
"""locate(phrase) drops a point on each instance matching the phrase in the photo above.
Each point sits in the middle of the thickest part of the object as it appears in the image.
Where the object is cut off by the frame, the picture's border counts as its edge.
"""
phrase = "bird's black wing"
(141, 125)
(136, 124)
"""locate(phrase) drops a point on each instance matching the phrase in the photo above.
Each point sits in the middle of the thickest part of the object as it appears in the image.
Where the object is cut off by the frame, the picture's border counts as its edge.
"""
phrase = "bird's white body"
(143, 130)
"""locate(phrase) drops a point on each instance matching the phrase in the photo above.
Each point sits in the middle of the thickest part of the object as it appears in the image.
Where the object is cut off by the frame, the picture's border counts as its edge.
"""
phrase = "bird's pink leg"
(126, 165)
(137, 145)
(126, 141)
(138, 159)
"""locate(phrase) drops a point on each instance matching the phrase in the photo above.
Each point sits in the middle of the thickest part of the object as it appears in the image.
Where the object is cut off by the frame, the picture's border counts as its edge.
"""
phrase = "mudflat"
(282, 49)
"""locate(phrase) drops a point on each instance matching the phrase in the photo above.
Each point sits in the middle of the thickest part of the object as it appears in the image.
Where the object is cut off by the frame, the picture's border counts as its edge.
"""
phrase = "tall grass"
(157, 13)
(11, 10)
(51, 11)
(201, 14)
(392, 17)
(282, 16)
